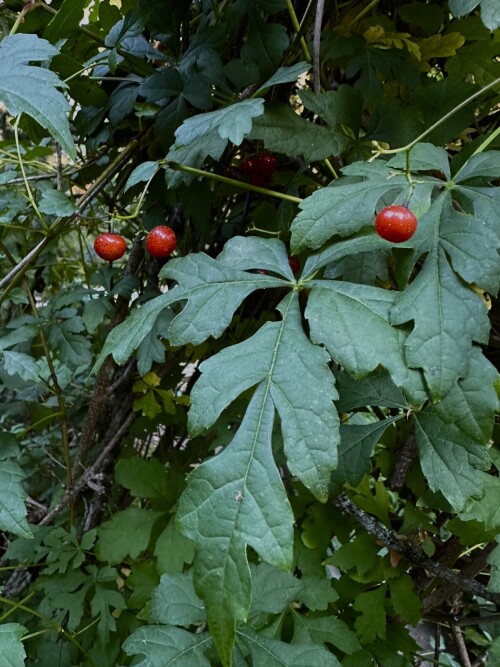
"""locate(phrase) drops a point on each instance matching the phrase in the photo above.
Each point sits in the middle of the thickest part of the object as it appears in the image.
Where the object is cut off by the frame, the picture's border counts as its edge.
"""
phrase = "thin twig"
(404, 463)
(460, 644)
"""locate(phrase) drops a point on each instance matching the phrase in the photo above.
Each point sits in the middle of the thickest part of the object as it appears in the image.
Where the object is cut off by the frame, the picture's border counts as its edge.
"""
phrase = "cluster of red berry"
(160, 243)
(259, 169)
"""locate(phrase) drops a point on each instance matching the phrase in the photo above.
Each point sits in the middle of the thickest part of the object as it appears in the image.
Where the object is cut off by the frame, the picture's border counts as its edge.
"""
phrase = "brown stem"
(415, 555)
(404, 463)
(460, 644)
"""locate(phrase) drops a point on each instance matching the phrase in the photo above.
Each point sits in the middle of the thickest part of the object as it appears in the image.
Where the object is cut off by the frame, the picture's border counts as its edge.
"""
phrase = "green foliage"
(219, 458)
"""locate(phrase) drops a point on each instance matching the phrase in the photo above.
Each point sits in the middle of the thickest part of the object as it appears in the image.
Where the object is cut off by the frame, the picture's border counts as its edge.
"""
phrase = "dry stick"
(404, 463)
(97, 466)
(318, 20)
(414, 555)
(460, 644)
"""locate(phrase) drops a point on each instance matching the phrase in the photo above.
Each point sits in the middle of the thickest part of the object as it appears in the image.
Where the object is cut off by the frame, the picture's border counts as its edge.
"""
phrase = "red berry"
(294, 263)
(110, 246)
(266, 164)
(249, 166)
(161, 241)
(396, 224)
(259, 180)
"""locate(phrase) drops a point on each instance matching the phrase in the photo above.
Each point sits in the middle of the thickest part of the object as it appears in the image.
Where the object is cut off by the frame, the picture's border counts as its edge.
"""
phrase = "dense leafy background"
(211, 460)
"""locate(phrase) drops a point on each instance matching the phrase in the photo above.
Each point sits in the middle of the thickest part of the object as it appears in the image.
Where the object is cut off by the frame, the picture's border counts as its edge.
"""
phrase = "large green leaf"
(490, 12)
(278, 355)
(265, 43)
(33, 90)
(212, 289)
(233, 500)
(272, 590)
(114, 543)
(66, 21)
(166, 646)
(324, 629)
(447, 314)
(11, 647)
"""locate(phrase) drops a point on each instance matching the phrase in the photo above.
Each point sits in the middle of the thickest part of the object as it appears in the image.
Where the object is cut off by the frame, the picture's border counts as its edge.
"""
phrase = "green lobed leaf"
(450, 462)
(352, 322)
(174, 601)
(265, 43)
(283, 131)
(485, 164)
(194, 155)
(274, 653)
(405, 601)
(233, 500)
(21, 364)
(33, 90)
(114, 543)
(213, 292)
(317, 592)
(233, 122)
(56, 202)
(144, 172)
(12, 508)
(324, 630)
(372, 622)
(337, 107)
(144, 478)
(11, 646)
(275, 356)
(344, 207)
(423, 157)
(165, 646)
(172, 550)
(272, 590)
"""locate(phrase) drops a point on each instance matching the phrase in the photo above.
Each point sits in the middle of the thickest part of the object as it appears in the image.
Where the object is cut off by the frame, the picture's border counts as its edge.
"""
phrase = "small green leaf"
(377, 390)
(405, 601)
(174, 601)
(284, 75)
(143, 478)
(272, 590)
(144, 172)
(324, 630)
(265, 43)
(22, 365)
(114, 543)
(372, 622)
(233, 122)
(55, 202)
(33, 90)
(11, 647)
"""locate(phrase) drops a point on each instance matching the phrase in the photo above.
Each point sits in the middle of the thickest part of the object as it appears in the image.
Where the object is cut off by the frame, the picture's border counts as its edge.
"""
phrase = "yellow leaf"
(440, 46)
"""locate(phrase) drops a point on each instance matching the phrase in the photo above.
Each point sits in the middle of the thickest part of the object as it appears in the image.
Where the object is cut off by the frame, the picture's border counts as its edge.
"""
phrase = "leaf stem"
(231, 181)
(23, 172)
(408, 147)
(28, 7)
(296, 27)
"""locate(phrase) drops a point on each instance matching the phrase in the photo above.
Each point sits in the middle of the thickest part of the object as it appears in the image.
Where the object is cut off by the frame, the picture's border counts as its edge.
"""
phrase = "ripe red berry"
(161, 241)
(259, 180)
(294, 263)
(110, 246)
(266, 164)
(396, 224)
(249, 166)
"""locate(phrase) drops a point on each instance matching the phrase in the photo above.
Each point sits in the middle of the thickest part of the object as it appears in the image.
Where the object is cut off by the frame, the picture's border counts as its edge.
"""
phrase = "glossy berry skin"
(294, 263)
(266, 164)
(110, 246)
(161, 242)
(396, 224)
(249, 166)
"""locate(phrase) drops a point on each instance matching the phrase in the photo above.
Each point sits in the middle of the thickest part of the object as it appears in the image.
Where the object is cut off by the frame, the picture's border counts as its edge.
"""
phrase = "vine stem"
(61, 223)
(443, 119)
(320, 6)
(67, 635)
(230, 181)
(23, 172)
(296, 27)
(28, 7)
